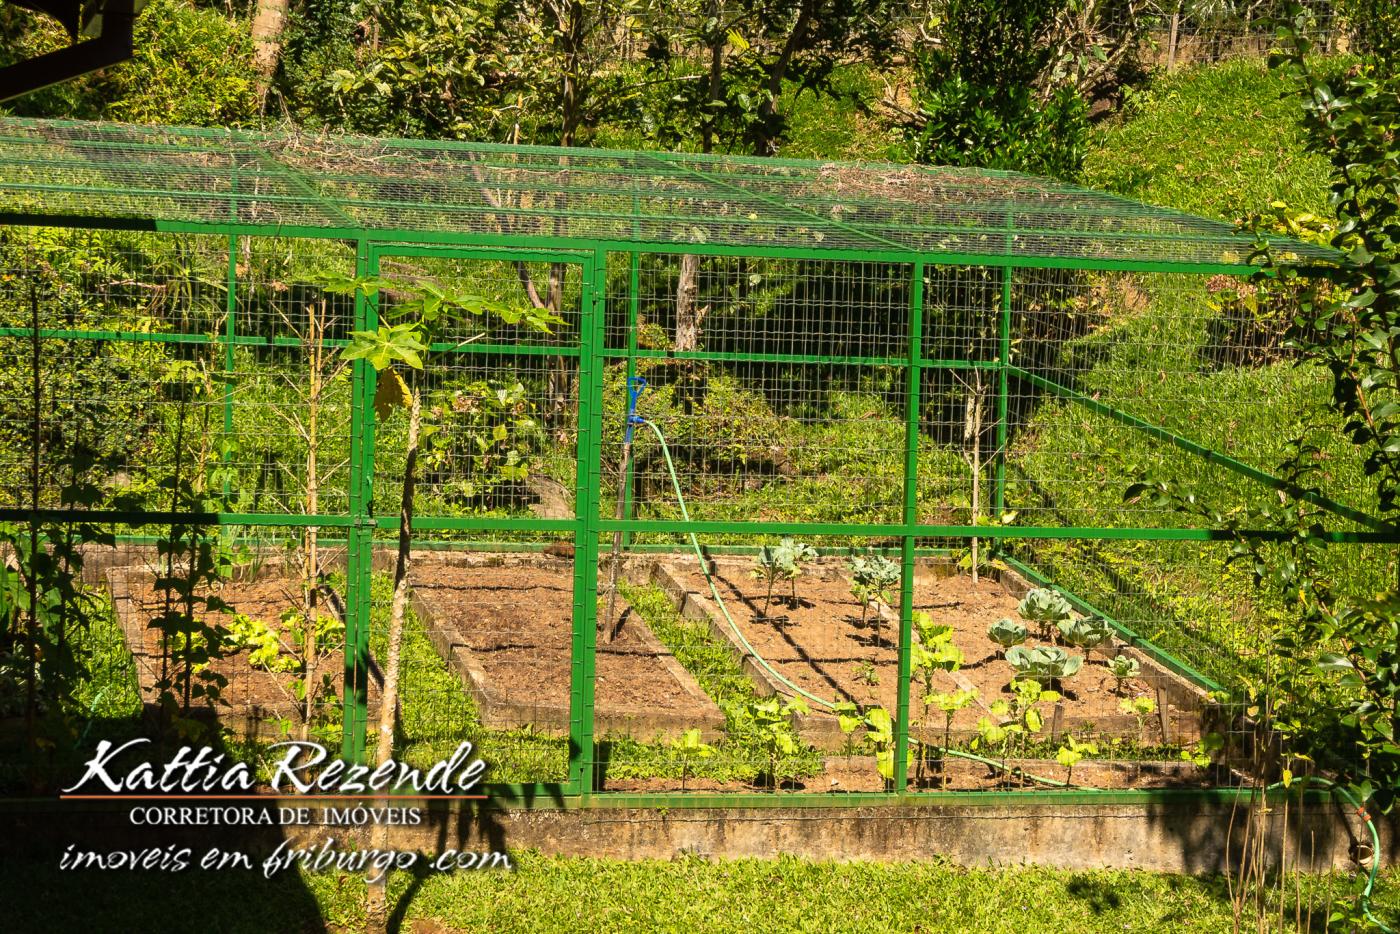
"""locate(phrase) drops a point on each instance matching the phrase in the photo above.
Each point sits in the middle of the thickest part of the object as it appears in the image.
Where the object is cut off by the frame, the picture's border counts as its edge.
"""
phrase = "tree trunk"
(1171, 38)
(972, 438)
(764, 136)
(560, 387)
(376, 910)
(688, 316)
(269, 20)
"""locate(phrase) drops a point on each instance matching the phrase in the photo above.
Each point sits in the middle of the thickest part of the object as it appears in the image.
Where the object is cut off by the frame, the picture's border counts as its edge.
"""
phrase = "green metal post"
(633, 306)
(586, 506)
(230, 334)
(360, 547)
(914, 374)
(1003, 392)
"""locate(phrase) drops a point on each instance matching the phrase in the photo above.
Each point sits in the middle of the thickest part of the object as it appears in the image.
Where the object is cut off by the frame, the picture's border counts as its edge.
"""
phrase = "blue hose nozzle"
(635, 386)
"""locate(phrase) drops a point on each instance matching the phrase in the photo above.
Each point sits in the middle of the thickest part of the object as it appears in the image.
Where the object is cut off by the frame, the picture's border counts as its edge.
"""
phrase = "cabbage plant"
(1123, 668)
(1046, 607)
(1006, 632)
(783, 561)
(1043, 663)
(874, 577)
(1084, 632)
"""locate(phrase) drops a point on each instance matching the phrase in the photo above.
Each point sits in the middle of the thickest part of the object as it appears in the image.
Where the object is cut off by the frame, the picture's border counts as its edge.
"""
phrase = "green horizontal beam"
(720, 356)
(539, 255)
(1208, 454)
(517, 350)
(1008, 532)
(529, 795)
(483, 523)
(134, 337)
(818, 359)
(248, 340)
(389, 235)
(158, 517)
(680, 527)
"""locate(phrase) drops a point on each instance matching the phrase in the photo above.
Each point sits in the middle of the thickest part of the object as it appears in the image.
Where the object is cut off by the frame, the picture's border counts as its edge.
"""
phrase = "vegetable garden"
(647, 473)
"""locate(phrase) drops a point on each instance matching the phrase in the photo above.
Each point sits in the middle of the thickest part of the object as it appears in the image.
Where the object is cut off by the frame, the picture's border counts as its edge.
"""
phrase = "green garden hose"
(1361, 812)
(748, 647)
(714, 591)
(1365, 900)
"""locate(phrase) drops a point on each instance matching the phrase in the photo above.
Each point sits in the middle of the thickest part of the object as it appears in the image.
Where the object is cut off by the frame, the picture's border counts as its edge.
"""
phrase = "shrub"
(981, 91)
(1376, 27)
(191, 66)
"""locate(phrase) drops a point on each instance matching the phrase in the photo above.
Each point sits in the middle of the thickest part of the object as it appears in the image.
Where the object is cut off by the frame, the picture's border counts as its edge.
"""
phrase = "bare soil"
(825, 644)
(516, 621)
(251, 695)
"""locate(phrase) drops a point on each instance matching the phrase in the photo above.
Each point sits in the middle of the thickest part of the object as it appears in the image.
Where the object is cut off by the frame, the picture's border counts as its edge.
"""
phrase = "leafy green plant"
(1123, 668)
(294, 648)
(480, 441)
(873, 578)
(1070, 755)
(881, 735)
(1001, 83)
(45, 608)
(1139, 708)
(781, 562)
(191, 639)
(1006, 632)
(1203, 752)
(996, 733)
(1046, 607)
(950, 704)
(1027, 696)
(1376, 24)
(769, 724)
(1085, 632)
(689, 748)
(934, 651)
(849, 719)
(867, 674)
(1044, 664)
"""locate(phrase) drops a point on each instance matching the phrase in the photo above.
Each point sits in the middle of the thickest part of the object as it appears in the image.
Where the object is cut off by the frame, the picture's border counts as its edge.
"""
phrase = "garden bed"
(859, 774)
(823, 646)
(253, 699)
(504, 623)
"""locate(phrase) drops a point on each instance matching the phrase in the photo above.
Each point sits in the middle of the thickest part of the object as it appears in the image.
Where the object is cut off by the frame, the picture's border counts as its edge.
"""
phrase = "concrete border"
(1173, 834)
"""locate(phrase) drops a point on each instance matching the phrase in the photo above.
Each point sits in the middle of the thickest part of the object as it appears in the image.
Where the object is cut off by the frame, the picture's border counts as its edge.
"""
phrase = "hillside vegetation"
(1219, 141)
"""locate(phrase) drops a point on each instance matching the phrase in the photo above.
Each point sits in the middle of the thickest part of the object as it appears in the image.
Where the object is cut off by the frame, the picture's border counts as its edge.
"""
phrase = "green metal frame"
(335, 218)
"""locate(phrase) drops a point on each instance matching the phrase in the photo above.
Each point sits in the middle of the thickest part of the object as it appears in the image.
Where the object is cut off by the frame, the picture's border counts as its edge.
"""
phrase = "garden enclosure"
(940, 381)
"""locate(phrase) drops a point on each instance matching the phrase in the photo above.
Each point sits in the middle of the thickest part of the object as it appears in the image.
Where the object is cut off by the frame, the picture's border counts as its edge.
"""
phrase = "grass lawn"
(547, 894)
(1219, 140)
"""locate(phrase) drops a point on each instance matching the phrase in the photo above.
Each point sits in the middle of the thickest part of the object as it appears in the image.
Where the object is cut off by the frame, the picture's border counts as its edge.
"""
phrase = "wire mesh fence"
(732, 521)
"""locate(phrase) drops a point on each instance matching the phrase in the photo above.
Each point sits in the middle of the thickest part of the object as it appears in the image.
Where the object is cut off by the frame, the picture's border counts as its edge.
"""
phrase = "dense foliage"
(192, 66)
(981, 94)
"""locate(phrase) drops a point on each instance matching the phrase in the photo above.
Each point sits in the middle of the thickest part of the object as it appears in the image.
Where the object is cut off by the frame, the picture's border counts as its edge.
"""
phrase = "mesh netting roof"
(539, 196)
